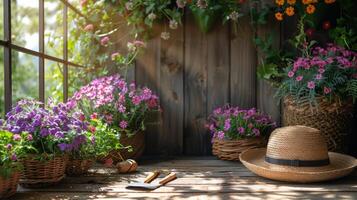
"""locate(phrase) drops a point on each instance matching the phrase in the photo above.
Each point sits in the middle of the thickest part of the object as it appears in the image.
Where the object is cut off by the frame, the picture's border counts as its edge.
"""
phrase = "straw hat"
(297, 154)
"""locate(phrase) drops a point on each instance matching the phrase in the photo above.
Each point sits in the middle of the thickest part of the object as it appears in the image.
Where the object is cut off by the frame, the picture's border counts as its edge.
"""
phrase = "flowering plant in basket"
(51, 130)
(121, 106)
(12, 147)
(330, 73)
(114, 108)
(234, 123)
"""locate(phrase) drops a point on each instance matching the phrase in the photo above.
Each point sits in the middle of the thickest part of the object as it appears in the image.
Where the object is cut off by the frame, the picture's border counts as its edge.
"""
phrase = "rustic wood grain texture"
(197, 179)
(172, 93)
(196, 137)
(265, 92)
(243, 65)
(147, 73)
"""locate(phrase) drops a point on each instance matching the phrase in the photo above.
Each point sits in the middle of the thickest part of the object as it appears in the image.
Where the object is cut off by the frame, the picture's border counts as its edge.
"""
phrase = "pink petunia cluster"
(326, 70)
(115, 102)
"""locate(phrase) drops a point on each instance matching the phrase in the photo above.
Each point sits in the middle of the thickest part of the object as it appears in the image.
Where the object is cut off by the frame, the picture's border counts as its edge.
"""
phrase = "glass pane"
(2, 92)
(77, 77)
(75, 48)
(1, 20)
(24, 23)
(25, 76)
(54, 28)
(53, 80)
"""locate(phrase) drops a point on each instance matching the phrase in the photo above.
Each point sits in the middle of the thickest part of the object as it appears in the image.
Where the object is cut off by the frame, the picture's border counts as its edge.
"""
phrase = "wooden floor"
(199, 178)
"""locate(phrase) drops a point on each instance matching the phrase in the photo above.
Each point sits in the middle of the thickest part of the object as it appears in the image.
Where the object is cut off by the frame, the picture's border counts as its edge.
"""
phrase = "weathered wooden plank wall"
(193, 73)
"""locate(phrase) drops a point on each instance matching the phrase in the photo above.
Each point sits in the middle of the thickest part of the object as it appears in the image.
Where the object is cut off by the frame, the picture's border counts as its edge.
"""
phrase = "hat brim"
(340, 165)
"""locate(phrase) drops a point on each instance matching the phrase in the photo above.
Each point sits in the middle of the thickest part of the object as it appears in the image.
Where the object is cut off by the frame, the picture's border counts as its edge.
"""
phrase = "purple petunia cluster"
(236, 123)
(50, 127)
(116, 102)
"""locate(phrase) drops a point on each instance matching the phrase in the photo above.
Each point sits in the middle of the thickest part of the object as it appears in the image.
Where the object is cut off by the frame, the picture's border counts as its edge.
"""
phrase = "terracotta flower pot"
(137, 142)
(332, 119)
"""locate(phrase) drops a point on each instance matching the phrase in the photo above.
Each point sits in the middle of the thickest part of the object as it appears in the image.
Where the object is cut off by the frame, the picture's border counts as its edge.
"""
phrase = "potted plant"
(11, 148)
(318, 89)
(121, 107)
(235, 130)
(52, 132)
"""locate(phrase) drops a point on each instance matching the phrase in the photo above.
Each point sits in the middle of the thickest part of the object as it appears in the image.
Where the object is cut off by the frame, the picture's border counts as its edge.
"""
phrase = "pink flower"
(115, 55)
(82, 117)
(92, 129)
(327, 90)
(83, 2)
(9, 146)
(13, 157)
(152, 103)
(123, 124)
(311, 84)
(109, 118)
(89, 28)
(16, 137)
(139, 43)
(318, 76)
(321, 71)
(299, 78)
(250, 125)
(104, 41)
(291, 74)
(94, 116)
(136, 100)
(29, 137)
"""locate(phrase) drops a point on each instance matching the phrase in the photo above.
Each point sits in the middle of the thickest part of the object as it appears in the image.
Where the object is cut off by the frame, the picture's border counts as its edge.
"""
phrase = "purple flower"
(62, 146)
(220, 135)
(241, 130)
(227, 124)
(256, 132)
(13, 157)
(136, 100)
(9, 146)
(123, 124)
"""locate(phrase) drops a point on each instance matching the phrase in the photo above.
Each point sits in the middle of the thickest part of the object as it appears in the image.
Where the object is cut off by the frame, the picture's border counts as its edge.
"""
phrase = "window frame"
(8, 46)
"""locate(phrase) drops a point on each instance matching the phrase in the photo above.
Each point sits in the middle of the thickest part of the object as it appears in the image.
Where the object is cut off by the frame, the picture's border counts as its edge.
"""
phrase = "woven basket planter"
(77, 167)
(8, 186)
(332, 119)
(43, 173)
(231, 149)
(137, 142)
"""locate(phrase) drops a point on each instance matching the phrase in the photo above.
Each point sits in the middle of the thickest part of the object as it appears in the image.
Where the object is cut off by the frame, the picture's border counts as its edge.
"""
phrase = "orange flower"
(291, 2)
(310, 9)
(280, 2)
(279, 16)
(306, 1)
(289, 11)
(329, 1)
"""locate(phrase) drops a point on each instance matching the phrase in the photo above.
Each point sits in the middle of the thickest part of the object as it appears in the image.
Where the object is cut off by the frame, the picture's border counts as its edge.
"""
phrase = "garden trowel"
(152, 186)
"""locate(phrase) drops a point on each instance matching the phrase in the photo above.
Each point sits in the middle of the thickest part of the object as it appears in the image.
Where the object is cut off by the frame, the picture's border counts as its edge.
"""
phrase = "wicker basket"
(137, 142)
(231, 149)
(77, 167)
(43, 173)
(8, 186)
(332, 119)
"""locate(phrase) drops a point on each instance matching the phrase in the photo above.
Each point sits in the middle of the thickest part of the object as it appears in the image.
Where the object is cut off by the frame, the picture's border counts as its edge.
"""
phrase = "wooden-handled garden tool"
(152, 186)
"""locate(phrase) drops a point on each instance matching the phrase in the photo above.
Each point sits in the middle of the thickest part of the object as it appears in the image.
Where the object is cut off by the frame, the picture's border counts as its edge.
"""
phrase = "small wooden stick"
(168, 178)
(152, 176)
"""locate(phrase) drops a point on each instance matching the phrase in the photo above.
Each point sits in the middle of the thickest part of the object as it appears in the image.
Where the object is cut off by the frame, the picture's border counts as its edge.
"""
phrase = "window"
(34, 57)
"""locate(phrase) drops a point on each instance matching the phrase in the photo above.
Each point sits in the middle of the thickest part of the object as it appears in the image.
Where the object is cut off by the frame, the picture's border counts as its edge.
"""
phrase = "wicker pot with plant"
(120, 110)
(11, 147)
(318, 91)
(51, 132)
(236, 130)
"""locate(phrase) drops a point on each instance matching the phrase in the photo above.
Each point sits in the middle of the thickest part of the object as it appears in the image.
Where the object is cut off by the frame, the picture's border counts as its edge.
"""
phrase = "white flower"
(233, 16)
(129, 5)
(202, 4)
(131, 46)
(173, 24)
(165, 35)
(152, 16)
